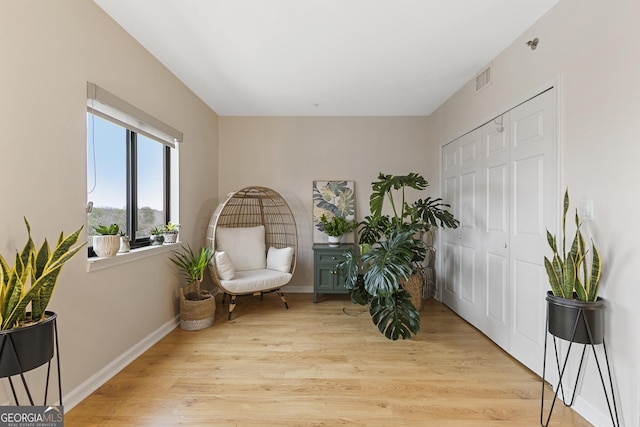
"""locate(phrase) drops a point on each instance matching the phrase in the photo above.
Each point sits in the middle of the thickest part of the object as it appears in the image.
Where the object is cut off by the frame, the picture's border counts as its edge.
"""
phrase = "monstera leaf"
(395, 316)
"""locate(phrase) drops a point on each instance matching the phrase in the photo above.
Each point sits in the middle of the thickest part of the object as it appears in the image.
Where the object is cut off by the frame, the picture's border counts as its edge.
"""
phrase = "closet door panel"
(471, 202)
(463, 279)
(528, 317)
(533, 210)
(450, 259)
(450, 273)
(496, 256)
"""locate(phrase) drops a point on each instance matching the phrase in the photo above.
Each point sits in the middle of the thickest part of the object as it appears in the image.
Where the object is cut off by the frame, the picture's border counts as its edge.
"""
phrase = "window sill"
(95, 264)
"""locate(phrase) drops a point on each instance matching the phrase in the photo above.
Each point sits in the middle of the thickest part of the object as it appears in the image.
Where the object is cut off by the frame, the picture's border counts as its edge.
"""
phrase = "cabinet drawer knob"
(333, 258)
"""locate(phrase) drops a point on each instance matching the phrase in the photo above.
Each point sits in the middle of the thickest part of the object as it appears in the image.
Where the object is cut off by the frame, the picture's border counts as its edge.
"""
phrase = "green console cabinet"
(326, 277)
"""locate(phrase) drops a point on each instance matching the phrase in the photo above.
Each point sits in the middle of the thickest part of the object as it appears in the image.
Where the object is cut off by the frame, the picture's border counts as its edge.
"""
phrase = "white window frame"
(104, 104)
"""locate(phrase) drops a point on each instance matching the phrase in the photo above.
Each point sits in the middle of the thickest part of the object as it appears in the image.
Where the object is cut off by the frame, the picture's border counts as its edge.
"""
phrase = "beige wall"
(289, 153)
(49, 51)
(590, 48)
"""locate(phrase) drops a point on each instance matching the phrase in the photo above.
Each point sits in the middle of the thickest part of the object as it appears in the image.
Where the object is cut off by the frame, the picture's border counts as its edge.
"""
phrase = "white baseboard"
(81, 392)
(590, 413)
(298, 289)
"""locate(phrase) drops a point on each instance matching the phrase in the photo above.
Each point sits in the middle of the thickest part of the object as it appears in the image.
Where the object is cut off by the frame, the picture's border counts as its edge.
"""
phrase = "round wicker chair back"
(254, 206)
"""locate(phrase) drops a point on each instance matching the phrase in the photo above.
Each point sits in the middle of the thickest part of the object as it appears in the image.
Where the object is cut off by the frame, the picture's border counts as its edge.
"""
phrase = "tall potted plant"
(26, 338)
(390, 247)
(197, 306)
(576, 313)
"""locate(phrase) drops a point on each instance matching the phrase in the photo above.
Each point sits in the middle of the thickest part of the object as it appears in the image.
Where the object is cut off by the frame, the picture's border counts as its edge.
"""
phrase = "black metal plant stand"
(12, 352)
(581, 317)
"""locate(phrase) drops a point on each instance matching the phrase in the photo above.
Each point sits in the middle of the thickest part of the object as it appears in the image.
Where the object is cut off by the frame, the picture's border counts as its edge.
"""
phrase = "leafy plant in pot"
(30, 283)
(576, 313)
(197, 306)
(336, 227)
(390, 247)
(170, 232)
(107, 243)
(156, 236)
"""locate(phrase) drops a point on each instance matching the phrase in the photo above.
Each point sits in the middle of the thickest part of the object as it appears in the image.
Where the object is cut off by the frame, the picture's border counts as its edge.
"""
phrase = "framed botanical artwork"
(332, 198)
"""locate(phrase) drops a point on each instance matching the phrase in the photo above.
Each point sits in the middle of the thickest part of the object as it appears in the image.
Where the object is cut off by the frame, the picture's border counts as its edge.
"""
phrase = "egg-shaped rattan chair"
(245, 209)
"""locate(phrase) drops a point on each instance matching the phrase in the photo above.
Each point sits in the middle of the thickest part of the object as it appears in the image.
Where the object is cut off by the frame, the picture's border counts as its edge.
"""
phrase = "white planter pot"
(334, 241)
(106, 246)
(171, 237)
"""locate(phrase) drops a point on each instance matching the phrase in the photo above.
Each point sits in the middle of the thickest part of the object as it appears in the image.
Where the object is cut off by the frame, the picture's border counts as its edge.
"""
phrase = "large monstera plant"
(390, 248)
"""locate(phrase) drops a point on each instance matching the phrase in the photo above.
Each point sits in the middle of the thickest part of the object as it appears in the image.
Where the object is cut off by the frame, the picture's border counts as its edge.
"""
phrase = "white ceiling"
(325, 57)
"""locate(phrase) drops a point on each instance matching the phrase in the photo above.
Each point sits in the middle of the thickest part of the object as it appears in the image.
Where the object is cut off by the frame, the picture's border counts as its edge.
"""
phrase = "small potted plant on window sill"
(107, 243)
(336, 227)
(170, 232)
(156, 236)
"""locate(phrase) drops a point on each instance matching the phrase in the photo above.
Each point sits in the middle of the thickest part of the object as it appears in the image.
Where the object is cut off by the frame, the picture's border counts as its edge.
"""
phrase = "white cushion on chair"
(244, 245)
(279, 259)
(250, 281)
(224, 266)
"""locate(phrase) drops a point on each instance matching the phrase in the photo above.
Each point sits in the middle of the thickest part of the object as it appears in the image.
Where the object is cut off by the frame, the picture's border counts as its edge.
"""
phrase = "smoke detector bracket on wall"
(533, 44)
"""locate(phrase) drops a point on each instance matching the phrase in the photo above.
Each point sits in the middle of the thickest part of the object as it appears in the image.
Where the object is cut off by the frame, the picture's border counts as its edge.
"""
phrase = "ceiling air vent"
(484, 79)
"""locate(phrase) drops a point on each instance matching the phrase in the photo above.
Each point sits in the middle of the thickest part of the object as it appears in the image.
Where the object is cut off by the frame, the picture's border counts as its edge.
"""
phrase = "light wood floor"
(315, 365)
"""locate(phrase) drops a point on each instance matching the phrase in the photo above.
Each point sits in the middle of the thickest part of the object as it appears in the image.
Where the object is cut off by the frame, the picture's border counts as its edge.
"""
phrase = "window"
(129, 168)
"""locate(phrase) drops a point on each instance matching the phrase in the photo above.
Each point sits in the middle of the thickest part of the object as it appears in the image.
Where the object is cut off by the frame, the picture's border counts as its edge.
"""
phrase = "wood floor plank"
(316, 365)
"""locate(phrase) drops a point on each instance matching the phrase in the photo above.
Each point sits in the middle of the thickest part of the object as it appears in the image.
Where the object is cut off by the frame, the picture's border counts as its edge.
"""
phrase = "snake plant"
(33, 278)
(569, 272)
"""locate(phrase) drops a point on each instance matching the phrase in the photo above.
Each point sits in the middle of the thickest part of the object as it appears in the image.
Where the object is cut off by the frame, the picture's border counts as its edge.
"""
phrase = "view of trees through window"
(147, 219)
(125, 174)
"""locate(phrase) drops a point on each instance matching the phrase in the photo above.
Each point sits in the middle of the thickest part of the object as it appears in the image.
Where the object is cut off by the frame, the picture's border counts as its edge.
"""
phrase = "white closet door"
(450, 260)
(495, 145)
(533, 210)
(464, 289)
(501, 183)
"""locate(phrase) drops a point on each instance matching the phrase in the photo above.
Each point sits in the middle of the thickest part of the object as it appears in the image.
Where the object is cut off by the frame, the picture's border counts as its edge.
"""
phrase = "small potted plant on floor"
(336, 227)
(170, 232)
(156, 236)
(107, 243)
(197, 306)
(573, 301)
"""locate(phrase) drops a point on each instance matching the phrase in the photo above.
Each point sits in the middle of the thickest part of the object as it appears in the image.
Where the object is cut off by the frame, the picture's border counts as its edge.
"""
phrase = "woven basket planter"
(196, 315)
(413, 285)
